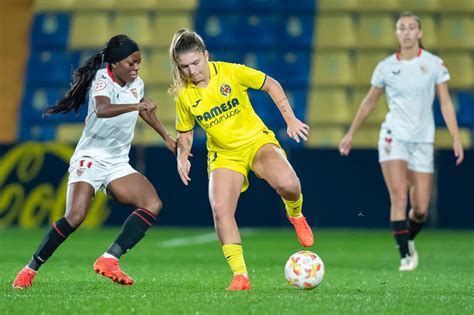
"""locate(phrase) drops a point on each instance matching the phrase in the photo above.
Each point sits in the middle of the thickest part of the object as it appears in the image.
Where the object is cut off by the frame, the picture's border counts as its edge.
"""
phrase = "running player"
(409, 79)
(215, 95)
(100, 161)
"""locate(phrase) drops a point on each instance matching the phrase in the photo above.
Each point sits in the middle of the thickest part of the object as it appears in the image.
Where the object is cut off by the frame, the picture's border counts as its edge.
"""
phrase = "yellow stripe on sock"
(234, 255)
(293, 208)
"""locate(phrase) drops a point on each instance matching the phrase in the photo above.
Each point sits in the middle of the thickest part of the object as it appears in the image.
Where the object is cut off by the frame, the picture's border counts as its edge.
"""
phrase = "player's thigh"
(271, 164)
(395, 173)
(224, 189)
(135, 190)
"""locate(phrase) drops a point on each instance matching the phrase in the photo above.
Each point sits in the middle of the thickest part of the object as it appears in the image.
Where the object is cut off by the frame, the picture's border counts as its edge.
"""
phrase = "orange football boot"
(109, 267)
(303, 231)
(24, 278)
(240, 282)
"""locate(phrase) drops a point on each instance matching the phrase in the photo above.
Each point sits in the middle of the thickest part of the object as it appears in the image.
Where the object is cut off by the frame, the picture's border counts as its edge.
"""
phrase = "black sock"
(415, 228)
(133, 231)
(56, 235)
(400, 232)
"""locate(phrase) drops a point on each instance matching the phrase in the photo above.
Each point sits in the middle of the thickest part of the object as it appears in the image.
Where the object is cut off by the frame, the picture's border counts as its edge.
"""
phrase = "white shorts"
(419, 155)
(98, 174)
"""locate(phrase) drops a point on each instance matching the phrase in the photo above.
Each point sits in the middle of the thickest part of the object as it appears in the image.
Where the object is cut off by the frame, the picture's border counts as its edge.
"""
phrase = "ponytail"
(76, 95)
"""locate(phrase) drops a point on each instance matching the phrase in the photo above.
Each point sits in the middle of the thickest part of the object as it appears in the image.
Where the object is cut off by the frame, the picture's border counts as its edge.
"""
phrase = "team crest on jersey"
(80, 171)
(99, 85)
(225, 89)
(424, 69)
(134, 92)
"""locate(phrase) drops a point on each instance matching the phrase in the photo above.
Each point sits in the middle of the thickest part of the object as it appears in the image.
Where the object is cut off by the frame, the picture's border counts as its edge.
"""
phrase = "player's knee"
(289, 186)
(76, 217)
(219, 210)
(154, 205)
(420, 211)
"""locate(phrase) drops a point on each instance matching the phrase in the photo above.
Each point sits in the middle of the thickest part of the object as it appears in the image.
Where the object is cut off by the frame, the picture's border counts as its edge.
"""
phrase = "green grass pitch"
(182, 271)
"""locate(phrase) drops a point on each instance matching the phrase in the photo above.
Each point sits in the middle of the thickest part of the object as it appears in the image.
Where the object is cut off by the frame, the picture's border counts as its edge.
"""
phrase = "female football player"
(215, 94)
(100, 161)
(410, 79)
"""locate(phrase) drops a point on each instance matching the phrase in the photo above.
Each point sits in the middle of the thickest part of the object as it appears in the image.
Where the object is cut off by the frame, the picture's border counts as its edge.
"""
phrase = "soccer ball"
(304, 270)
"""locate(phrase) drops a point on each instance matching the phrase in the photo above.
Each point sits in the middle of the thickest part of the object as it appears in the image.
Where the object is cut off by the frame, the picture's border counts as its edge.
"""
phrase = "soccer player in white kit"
(100, 161)
(409, 78)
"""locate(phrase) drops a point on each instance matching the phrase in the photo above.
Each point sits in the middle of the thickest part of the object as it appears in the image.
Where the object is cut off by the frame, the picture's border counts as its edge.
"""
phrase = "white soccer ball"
(304, 270)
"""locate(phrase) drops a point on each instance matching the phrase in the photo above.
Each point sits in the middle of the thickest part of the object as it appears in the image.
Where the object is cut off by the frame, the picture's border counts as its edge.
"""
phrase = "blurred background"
(322, 52)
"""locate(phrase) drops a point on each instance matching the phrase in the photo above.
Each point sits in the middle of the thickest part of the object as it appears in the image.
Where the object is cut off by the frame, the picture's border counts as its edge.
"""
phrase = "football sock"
(57, 234)
(233, 253)
(293, 208)
(133, 230)
(414, 228)
(400, 232)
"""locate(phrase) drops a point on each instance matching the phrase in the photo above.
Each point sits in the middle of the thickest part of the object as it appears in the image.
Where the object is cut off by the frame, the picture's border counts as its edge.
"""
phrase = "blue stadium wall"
(338, 192)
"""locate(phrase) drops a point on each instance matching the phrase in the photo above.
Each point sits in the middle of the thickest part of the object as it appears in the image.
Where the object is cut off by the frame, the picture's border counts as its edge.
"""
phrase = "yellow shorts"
(240, 160)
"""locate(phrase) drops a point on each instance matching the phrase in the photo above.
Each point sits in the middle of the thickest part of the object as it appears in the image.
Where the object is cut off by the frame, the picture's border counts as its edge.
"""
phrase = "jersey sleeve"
(378, 76)
(184, 118)
(442, 73)
(101, 87)
(248, 77)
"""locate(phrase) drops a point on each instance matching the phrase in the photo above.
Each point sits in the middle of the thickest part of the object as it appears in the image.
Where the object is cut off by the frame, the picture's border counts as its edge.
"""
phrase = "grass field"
(182, 271)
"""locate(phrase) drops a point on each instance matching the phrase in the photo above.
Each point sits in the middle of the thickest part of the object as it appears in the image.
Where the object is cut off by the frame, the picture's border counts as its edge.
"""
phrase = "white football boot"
(413, 252)
(407, 264)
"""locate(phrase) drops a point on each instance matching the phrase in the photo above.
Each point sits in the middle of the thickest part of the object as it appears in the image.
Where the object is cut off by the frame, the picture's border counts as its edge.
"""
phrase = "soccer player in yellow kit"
(215, 95)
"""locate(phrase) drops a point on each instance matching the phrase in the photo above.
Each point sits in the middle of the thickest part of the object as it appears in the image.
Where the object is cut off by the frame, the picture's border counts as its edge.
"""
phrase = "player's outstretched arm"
(184, 143)
(296, 128)
(104, 109)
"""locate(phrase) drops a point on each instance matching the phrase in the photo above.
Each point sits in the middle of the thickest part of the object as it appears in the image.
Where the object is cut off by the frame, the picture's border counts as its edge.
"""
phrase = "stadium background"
(323, 53)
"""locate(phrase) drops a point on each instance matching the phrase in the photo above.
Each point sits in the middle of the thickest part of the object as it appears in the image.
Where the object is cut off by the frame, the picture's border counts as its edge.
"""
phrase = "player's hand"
(147, 105)
(296, 129)
(184, 166)
(345, 145)
(458, 151)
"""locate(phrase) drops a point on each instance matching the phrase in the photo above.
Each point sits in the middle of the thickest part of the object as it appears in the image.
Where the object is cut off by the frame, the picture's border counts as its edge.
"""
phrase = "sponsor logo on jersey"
(219, 113)
(225, 89)
(100, 85)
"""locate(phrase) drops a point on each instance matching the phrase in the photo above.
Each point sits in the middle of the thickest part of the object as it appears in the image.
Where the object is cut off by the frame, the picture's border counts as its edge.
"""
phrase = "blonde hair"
(183, 41)
(417, 19)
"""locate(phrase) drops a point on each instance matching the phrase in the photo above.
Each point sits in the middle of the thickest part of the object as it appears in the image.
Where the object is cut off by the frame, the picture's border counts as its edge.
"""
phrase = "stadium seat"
(430, 32)
(289, 68)
(378, 114)
(145, 135)
(218, 30)
(159, 68)
(366, 137)
(50, 30)
(456, 32)
(86, 24)
(328, 106)
(420, 6)
(324, 137)
(166, 106)
(365, 63)
(331, 68)
(37, 132)
(181, 5)
(166, 25)
(464, 101)
(337, 5)
(444, 140)
(460, 67)
(461, 6)
(233, 56)
(69, 133)
(334, 31)
(262, 30)
(141, 5)
(136, 25)
(379, 6)
(297, 31)
(214, 5)
(51, 67)
(52, 5)
(376, 31)
(94, 5)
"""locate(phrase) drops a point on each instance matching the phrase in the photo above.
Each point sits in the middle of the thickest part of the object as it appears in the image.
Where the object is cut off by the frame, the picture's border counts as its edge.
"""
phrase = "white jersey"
(410, 90)
(108, 140)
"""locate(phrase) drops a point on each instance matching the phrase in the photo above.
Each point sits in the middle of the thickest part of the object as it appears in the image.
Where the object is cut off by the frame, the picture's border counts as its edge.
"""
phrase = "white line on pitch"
(199, 239)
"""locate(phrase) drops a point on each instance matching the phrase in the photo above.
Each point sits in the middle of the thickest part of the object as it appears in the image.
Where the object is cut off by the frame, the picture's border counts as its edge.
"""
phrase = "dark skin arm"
(149, 116)
(104, 109)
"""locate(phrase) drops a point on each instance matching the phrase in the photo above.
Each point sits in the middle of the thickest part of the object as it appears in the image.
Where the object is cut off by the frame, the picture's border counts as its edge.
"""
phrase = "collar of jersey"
(397, 55)
(112, 77)
(212, 72)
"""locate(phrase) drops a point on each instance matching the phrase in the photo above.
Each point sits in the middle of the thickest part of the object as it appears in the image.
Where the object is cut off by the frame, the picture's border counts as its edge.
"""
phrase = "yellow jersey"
(223, 108)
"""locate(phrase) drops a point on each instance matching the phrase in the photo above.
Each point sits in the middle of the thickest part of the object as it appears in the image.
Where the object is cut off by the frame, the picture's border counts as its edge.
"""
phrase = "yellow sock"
(293, 208)
(235, 257)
